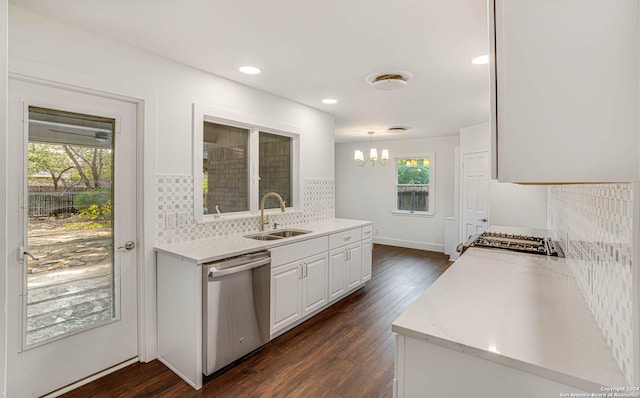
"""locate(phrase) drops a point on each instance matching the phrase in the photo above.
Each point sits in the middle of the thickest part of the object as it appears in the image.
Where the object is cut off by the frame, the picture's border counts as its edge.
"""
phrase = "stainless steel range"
(520, 243)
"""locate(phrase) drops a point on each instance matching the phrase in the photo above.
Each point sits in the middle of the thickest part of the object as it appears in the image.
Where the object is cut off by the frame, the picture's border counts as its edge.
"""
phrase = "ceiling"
(310, 50)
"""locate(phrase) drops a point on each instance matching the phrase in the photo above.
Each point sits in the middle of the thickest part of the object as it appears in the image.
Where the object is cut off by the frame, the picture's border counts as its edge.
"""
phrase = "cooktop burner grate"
(519, 243)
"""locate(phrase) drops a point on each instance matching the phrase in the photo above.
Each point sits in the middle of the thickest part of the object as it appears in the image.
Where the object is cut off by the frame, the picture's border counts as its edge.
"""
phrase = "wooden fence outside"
(43, 204)
(413, 200)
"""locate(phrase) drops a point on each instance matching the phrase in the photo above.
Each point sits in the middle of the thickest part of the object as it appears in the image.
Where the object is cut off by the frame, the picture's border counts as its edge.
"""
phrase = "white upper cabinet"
(564, 90)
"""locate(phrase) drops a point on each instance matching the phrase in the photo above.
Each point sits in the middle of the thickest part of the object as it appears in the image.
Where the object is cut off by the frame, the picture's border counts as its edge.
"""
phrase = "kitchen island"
(502, 324)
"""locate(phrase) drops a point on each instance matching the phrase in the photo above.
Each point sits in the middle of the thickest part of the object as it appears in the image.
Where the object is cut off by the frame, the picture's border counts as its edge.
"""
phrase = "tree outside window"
(414, 185)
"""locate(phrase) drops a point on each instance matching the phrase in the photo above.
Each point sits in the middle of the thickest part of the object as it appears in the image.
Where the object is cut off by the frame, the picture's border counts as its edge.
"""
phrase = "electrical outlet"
(182, 219)
(377, 231)
(170, 220)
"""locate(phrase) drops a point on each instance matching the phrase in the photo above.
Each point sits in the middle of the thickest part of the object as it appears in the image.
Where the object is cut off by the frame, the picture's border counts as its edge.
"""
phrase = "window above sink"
(237, 159)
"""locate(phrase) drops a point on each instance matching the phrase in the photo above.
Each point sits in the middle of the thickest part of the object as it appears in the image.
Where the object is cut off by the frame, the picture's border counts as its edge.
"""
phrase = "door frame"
(463, 189)
(145, 172)
(4, 255)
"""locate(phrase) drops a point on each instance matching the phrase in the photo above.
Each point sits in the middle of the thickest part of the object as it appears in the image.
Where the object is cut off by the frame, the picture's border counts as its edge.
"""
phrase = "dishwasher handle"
(213, 272)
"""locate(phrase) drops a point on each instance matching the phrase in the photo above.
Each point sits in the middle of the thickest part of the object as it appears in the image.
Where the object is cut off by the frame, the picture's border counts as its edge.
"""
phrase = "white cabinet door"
(314, 283)
(285, 295)
(354, 265)
(367, 252)
(565, 90)
(337, 272)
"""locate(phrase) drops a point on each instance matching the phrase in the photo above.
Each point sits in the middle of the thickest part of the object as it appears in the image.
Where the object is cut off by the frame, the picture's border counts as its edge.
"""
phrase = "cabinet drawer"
(295, 251)
(367, 231)
(345, 238)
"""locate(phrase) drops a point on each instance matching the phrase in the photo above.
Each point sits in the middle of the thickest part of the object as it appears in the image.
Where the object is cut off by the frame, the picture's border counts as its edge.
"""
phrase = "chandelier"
(358, 156)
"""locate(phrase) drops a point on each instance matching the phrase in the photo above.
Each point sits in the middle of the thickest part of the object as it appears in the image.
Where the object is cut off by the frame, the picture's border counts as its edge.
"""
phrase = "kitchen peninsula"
(308, 272)
(498, 323)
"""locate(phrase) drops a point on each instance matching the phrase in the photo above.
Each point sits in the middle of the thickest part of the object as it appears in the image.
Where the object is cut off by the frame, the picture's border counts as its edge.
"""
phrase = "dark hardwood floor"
(345, 351)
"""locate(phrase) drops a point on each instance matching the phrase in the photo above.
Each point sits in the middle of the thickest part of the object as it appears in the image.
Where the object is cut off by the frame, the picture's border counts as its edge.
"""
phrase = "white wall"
(34, 39)
(509, 204)
(367, 192)
(3, 188)
(49, 50)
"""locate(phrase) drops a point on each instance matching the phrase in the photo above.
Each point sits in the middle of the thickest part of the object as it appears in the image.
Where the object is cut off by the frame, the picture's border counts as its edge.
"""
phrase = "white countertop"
(211, 249)
(520, 310)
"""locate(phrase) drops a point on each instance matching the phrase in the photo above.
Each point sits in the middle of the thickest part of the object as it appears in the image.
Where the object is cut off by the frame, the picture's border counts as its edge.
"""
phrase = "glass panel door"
(72, 308)
(70, 261)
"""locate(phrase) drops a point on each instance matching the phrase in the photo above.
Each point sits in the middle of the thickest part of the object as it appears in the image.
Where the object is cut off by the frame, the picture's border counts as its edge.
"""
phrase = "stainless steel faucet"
(264, 221)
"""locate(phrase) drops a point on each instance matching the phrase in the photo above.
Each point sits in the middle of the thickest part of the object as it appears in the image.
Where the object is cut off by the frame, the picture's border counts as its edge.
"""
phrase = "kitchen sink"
(262, 237)
(288, 233)
(278, 234)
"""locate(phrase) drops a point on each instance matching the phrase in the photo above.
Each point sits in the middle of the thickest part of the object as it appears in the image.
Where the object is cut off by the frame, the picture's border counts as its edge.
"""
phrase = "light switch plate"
(182, 219)
(170, 220)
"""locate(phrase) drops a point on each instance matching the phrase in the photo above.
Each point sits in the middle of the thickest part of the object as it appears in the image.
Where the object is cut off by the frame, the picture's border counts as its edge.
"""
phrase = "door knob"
(129, 245)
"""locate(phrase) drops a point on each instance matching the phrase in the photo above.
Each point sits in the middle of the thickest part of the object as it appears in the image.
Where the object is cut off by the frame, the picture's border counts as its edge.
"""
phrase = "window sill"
(212, 218)
(412, 214)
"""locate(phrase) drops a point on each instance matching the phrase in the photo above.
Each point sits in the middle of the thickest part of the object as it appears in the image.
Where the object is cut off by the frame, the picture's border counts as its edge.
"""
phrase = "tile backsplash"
(175, 220)
(593, 224)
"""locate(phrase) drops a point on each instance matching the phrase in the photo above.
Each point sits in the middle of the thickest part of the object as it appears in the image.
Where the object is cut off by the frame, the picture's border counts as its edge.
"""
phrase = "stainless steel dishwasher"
(236, 308)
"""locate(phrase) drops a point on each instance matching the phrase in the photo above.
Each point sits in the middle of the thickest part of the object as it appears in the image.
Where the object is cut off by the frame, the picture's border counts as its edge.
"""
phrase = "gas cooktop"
(519, 243)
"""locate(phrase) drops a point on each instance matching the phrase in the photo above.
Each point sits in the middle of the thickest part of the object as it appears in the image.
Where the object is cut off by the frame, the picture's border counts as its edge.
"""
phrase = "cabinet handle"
(367, 232)
(346, 238)
(304, 270)
(300, 272)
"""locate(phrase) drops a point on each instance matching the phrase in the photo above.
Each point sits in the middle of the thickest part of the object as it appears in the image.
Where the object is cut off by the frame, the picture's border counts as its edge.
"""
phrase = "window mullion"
(254, 167)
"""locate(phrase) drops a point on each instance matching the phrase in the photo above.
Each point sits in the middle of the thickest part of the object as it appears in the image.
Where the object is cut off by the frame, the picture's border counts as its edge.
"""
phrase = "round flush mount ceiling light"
(389, 81)
(481, 60)
(330, 101)
(397, 129)
(249, 70)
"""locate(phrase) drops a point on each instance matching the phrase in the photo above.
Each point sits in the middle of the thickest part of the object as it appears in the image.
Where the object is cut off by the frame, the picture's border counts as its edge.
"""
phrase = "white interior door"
(475, 192)
(72, 301)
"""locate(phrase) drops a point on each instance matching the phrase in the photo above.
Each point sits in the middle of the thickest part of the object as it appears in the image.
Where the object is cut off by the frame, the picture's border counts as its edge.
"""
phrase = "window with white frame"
(240, 163)
(414, 185)
(225, 168)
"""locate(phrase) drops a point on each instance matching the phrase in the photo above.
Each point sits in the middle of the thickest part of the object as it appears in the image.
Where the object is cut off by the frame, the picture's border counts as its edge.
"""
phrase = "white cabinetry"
(286, 291)
(367, 252)
(314, 283)
(564, 90)
(298, 281)
(450, 373)
(345, 268)
(354, 265)
(337, 273)
(345, 262)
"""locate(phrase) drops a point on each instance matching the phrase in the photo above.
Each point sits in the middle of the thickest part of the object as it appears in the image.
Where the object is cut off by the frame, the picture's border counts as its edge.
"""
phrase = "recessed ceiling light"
(249, 70)
(329, 101)
(481, 60)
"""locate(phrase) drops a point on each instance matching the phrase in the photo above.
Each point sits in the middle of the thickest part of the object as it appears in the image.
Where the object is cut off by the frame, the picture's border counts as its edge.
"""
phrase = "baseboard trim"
(409, 244)
(91, 378)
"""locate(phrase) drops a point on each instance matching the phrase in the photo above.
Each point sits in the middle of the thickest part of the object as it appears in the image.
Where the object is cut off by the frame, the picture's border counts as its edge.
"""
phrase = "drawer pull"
(346, 238)
(367, 232)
